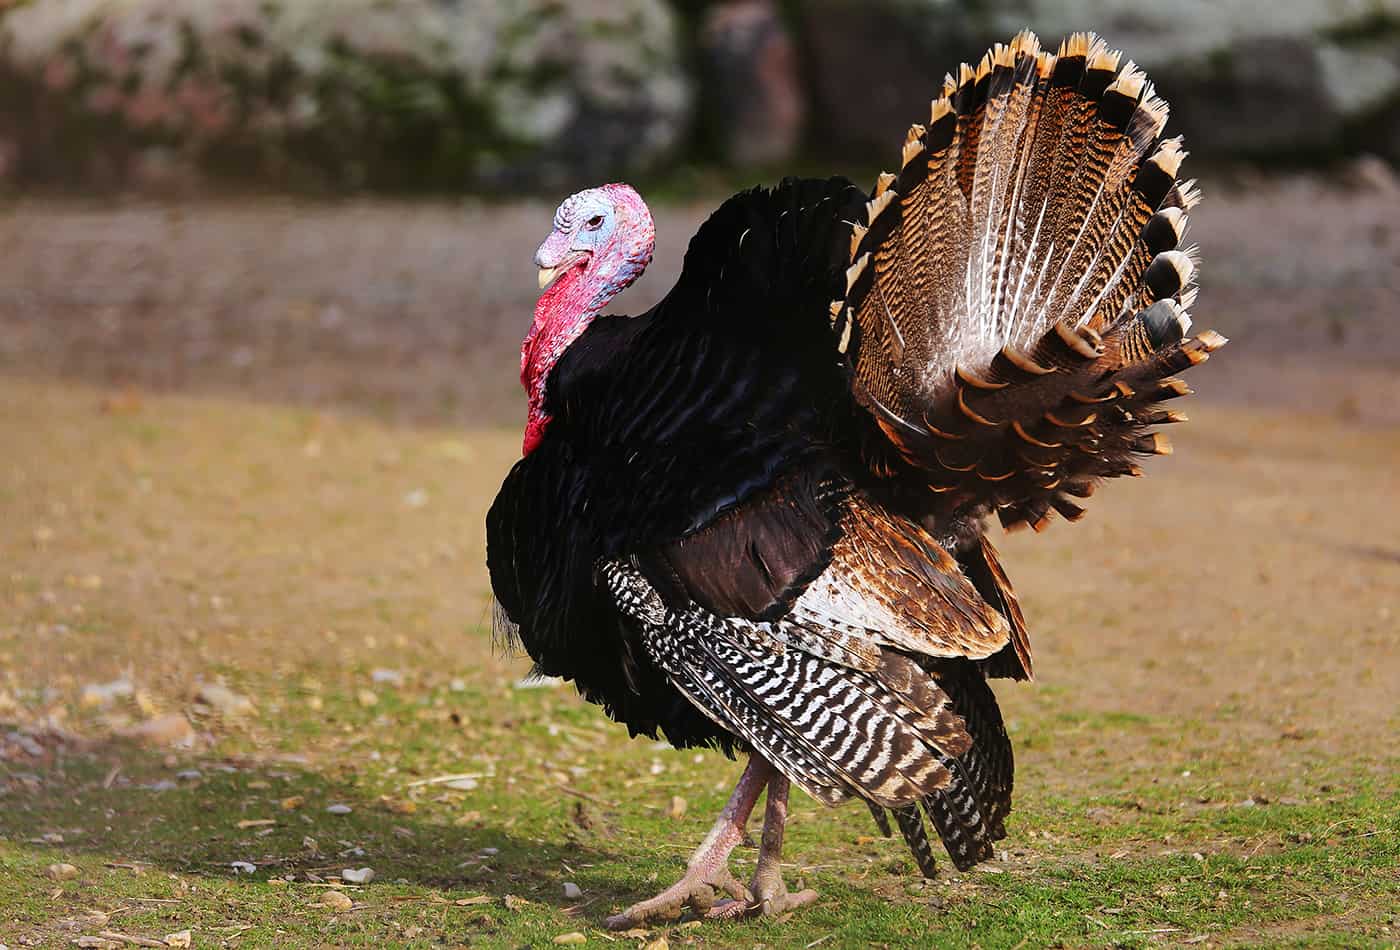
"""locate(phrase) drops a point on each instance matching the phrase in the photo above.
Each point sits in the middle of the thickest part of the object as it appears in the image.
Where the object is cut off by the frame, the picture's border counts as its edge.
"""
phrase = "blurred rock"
(343, 93)
(1370, 173)
(223, 701)
(172, 730)
(96, 695)
(61, 872)
(1252, 78)
(337, 900)
(754, 101)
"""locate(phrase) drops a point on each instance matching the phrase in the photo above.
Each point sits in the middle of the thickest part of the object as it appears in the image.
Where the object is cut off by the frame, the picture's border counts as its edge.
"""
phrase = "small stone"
(97, 943)
(223, 700)
(61, 872)
(96, 695)
(458, 685)
(490, 852)
(572, 891)
(337, 900)
(676, 809)
(357, 875)
(392, 677)
(467, 818)
(243, 867)
(339, 809)
(367, 698)
(180, 939)
(1372, 173)
(293, 802)
(171, 730)
(571, 937)
(88, 919)
(189, 775)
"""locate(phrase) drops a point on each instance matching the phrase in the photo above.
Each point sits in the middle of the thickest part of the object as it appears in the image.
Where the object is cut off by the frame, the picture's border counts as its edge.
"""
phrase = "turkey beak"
(549, 275)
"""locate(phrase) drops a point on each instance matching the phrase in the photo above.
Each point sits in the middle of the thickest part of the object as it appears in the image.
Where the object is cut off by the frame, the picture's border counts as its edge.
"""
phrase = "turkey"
(753, 516)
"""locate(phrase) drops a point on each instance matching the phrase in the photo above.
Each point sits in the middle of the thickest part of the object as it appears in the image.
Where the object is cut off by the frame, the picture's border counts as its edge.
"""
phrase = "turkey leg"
(708, 872)
(770, 895)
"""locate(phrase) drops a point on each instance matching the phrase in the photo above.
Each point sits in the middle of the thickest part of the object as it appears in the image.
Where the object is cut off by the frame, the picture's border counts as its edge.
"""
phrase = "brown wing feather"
(983, 568)
(889, 580)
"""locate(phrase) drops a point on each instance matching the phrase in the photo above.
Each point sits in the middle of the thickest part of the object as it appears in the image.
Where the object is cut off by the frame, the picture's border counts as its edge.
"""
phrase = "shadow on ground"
(237, 817)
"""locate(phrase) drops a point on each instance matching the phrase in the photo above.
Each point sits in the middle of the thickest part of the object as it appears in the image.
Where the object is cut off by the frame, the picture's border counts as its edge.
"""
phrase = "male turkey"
(753, 516)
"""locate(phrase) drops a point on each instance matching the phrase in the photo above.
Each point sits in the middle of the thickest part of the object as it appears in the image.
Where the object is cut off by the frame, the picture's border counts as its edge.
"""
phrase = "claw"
(707, 875)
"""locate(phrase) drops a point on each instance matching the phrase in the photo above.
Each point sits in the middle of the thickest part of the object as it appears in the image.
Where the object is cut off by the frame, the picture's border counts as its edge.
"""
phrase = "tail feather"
(1024, 262)
(911, 825)
(969, 810)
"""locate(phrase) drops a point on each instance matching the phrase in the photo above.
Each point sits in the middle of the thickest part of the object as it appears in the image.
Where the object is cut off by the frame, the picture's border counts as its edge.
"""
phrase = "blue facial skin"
(583, 224)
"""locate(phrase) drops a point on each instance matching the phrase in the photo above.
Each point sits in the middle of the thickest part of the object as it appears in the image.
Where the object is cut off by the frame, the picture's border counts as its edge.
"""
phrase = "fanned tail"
(1016, 300)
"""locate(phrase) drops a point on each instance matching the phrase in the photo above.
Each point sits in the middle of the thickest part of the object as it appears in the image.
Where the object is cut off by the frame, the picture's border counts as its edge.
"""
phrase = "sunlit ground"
(1208, 752)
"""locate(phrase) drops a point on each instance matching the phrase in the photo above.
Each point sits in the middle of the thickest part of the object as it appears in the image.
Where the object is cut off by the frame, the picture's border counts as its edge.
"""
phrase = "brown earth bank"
(416, 311)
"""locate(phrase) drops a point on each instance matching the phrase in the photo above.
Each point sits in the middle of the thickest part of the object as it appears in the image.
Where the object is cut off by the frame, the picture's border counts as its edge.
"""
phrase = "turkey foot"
(707, 873)
(770, 895)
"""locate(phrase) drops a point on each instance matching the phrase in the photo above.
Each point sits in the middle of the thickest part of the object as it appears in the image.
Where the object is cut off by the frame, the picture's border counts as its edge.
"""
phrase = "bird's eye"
(595, 222)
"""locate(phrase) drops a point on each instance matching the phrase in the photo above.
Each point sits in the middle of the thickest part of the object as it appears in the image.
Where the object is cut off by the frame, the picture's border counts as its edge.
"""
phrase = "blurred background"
(335, 201)
(265, 266)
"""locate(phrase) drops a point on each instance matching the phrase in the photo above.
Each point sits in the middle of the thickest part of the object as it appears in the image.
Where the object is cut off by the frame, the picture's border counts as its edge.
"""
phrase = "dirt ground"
(416, 311)
(256, 443)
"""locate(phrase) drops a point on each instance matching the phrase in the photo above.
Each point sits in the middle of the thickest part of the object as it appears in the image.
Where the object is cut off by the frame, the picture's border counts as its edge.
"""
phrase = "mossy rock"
(395, 94)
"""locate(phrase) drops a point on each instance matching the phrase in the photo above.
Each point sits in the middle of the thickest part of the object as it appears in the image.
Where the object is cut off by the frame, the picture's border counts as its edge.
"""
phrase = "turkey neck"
(562, 313)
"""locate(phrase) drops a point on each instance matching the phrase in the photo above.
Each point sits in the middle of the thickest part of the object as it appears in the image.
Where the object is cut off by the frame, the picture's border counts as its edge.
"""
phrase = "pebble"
(180, 939)
(572, 937)
(189, 775)
(337, 900)
(103, 694)
(339, 809)
(357, 875)
(61, 872)
(392, 677)
(170, 730)
(243, 867)
(223, 700)
(572, 891)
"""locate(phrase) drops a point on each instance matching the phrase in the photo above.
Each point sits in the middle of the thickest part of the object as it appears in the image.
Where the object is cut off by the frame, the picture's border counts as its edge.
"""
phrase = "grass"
(1206, 769)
